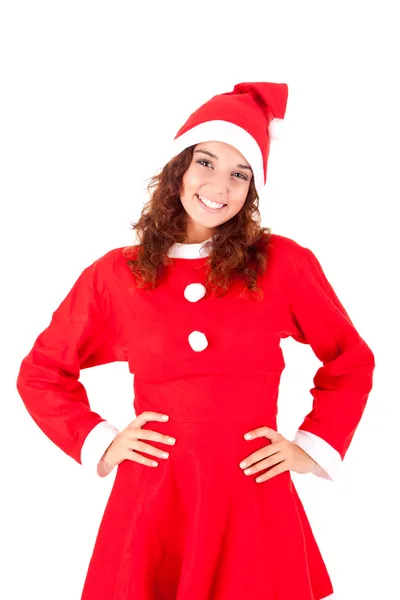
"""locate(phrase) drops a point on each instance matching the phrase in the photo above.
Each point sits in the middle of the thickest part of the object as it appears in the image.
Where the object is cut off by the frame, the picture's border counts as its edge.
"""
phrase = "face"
(218, 173)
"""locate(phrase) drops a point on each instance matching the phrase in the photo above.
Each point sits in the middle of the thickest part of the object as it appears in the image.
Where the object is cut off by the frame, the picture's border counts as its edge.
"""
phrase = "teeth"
(209, 203)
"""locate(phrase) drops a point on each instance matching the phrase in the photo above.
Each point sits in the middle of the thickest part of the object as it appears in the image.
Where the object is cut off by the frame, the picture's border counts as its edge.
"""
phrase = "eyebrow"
(213, 156)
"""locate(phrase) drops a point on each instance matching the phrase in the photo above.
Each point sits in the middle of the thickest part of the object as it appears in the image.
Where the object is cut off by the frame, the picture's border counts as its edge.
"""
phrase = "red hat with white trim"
(247, 118)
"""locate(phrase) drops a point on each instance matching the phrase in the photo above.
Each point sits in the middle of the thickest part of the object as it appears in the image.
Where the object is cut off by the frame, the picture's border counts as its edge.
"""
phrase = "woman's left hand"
(282, 453)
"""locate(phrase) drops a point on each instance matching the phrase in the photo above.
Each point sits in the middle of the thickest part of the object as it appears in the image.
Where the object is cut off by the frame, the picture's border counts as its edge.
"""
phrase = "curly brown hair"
(238, 246)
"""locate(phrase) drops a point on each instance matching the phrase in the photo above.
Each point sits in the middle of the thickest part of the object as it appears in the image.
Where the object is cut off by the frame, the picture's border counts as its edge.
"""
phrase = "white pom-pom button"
(198, 341)
(194, 292)
(276, 129)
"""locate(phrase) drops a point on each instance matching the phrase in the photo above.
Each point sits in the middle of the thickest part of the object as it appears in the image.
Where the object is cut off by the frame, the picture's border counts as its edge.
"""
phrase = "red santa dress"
(196, 527)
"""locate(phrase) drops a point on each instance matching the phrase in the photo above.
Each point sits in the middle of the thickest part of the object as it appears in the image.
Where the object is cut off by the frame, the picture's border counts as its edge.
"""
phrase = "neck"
(197, 240)
(196, 234)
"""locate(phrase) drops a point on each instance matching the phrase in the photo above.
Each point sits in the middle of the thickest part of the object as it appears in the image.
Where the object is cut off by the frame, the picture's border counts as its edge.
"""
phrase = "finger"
(272, 472)
(155, 436)
(265, 464)
(260, 454)
(135, 457)
(146, 416)
(149, 449)
(265, 431)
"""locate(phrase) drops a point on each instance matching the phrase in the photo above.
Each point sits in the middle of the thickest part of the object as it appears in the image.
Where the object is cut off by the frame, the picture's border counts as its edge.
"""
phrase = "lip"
(210, 210)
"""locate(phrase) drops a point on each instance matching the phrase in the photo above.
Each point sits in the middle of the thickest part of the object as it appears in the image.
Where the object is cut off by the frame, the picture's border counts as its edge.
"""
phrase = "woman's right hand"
(126, 443)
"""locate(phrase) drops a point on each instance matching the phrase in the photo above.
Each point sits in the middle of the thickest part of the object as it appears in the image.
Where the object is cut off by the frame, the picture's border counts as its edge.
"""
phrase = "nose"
(219, 187)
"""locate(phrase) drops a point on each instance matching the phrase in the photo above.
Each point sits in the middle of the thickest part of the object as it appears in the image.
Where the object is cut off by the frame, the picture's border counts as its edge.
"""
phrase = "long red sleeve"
(79, 336)
(342, 384)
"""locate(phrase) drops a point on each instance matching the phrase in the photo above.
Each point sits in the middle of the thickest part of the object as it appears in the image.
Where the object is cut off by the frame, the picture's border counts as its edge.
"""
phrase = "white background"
(90, 94)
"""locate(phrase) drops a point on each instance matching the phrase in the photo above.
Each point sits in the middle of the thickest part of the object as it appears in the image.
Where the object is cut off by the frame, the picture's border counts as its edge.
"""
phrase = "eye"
(238, 173)
(243, 176)
(203, 161)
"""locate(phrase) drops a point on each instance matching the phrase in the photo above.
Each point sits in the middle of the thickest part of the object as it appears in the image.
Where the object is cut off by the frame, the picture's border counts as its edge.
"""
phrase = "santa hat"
(247, 118)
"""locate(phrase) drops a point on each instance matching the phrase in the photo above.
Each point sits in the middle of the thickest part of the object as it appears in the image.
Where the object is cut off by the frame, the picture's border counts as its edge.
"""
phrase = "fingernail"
(165, 417)
(171, 440)
(247, 436)
(243, 464)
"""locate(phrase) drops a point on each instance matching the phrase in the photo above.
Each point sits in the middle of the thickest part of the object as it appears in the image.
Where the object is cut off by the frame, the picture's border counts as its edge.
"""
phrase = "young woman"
(197, 309)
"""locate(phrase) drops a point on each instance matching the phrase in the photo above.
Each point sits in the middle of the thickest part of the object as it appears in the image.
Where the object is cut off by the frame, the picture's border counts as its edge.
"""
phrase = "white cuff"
(328, 459)
(96, 443)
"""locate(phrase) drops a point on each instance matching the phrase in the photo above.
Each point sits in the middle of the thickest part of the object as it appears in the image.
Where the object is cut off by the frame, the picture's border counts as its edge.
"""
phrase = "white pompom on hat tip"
(276, 129)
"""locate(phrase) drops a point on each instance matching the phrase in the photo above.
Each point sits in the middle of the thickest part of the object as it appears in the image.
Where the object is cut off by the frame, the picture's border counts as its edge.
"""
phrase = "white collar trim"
(189, 250)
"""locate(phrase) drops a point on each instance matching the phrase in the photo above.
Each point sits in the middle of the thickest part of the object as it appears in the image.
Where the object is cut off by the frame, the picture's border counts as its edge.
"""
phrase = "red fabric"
(79, 336)
(342, 384)
(196, 527)
(251, 106)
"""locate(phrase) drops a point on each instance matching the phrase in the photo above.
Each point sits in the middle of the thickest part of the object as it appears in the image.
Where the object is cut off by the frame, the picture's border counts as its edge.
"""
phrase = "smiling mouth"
(210, 207)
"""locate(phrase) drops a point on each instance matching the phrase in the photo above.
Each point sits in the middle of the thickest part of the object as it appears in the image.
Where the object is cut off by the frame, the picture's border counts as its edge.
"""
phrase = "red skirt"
(197, 528)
